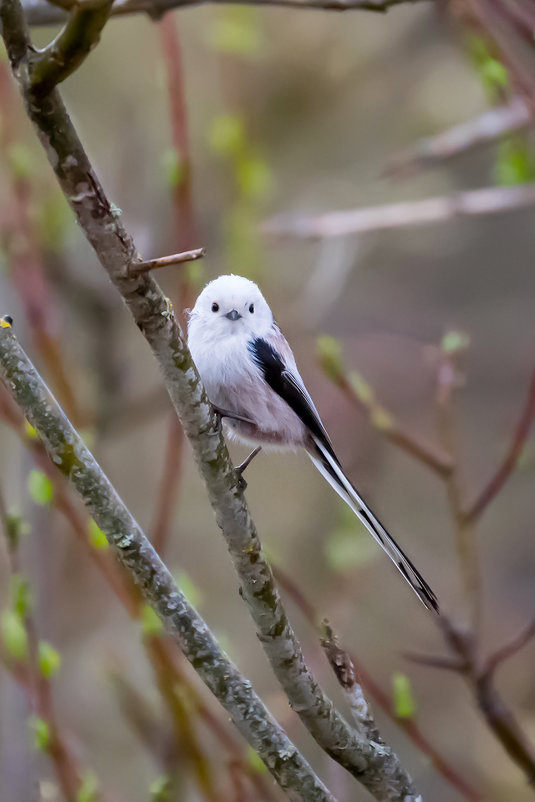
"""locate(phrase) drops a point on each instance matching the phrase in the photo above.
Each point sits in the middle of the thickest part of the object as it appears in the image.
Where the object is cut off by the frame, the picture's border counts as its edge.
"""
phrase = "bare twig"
(460, 139)
(137, 268)
(185, 232)
(465, 535)
(437, 459)
(476, 202)
(437, 661)
(498, 717)
(510, 649)
(73, 459)
(169, 485)
(509, 463)
(344, 670)
(25, 263)
(41, 12)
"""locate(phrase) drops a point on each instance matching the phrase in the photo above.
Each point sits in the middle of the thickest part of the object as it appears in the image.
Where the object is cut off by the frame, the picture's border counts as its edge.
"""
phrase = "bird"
(251, 378)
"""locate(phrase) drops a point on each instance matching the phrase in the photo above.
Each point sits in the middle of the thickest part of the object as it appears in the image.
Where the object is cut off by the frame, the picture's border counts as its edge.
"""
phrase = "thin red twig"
(185, 234)
(506, 468)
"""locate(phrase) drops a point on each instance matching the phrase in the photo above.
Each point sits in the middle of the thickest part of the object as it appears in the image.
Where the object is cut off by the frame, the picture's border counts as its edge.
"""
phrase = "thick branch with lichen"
(377, 768)
(69, 453)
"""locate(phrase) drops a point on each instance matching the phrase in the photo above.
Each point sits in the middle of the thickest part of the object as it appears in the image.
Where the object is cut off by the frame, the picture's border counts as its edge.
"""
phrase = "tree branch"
(460, 139)
(476, 202)
(42, 12)
(344, 670)
(71, 46)
(166, 261)
(68, 452)
(510, 649)
(377, 769)
(499, 718)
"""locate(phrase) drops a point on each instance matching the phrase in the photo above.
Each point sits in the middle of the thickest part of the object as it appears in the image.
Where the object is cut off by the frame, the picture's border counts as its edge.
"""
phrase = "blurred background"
(287, 112)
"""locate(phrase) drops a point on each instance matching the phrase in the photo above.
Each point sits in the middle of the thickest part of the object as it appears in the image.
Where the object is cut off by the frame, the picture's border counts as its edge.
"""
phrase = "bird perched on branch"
(251, 378)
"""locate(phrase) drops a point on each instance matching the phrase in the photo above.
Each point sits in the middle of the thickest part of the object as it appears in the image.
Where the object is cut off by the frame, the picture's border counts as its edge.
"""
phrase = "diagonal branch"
(510, 649)
(497, 715)
(475, 202)
(72, 45)
(69, 453)
(485, 129)
(378, 769)
(345, 672)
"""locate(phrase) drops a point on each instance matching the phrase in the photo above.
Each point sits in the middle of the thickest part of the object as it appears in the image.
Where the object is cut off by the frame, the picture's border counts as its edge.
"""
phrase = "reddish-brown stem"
(510, 460)
(169, 485)
(185, 234)
(26, 268)
(510, 649)
(500, 720)
(465, 536)
(173, 692)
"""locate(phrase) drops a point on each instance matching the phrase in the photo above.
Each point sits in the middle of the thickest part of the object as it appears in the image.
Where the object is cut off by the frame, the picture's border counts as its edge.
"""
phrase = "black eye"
(251, 308)
(215, 307)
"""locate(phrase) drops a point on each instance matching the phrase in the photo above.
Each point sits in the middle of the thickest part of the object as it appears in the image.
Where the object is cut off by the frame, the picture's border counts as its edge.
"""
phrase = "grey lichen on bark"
(377, 767)
(72, 457)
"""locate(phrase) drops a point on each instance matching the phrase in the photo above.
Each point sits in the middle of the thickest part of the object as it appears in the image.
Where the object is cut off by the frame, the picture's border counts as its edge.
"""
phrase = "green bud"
(88, 790)
(96, 536)
(404, 704)
(227, 135)
(40, 733)
(361, 388)
(14, 635)
(160, 789)
(150, 623)
(329, 353)
(40, 487)
(49, 660)
(21, 597)
(255, 761)
(455, 341)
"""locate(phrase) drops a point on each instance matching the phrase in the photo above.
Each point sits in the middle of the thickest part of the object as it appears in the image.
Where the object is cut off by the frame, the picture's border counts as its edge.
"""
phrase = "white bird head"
(231, 306)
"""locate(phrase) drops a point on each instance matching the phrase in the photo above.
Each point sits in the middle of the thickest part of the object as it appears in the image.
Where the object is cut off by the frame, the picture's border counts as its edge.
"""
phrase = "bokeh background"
(289, 111)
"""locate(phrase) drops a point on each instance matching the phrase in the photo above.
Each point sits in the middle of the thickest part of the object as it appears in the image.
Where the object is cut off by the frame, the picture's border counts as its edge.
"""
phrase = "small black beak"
(234, 315)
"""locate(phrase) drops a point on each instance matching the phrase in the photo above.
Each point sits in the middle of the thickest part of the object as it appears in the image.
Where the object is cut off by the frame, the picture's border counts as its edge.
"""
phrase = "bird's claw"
(242, 484)
(226, 413)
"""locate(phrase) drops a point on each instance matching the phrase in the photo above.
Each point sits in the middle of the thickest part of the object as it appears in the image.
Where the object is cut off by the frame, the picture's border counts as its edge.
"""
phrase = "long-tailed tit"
(249, 372)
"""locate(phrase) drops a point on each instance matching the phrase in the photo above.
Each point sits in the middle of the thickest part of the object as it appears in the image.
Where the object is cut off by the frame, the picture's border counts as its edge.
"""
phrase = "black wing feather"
(281, 381)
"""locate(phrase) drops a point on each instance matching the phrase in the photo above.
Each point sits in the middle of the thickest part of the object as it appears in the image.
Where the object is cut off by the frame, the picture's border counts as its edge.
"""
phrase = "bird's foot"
(226, 413)
(243, 465)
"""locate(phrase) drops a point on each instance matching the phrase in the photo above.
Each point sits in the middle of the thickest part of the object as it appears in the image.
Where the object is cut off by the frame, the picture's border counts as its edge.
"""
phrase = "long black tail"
(328, 465)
